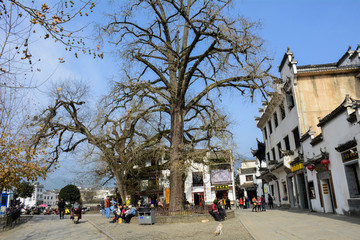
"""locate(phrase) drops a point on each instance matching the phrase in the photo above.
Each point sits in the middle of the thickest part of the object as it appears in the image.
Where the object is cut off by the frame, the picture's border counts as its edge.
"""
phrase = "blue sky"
(316, 31)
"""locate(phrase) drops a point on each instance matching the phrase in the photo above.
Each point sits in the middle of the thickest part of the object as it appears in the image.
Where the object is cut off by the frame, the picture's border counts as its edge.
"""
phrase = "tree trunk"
(176, 157)
(120, 186)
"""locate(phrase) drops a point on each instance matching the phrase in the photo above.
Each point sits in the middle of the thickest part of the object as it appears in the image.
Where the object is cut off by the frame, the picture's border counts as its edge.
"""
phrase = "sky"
(316, 31)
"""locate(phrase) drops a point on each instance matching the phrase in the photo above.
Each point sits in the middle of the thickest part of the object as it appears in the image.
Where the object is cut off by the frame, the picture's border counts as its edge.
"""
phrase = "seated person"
(213, 210)
(117, 214)
(129, 214)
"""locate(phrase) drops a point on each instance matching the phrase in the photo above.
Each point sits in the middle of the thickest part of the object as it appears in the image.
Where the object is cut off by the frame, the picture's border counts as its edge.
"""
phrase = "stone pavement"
(232, 230)
(50, 227)
(295, 224)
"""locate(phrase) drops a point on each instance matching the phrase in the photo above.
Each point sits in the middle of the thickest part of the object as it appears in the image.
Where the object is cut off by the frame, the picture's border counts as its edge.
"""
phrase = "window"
(265, 133)
(273, 153)
(270, 127)
(311, 190)
(197, 179)
(249, 178)
(287, 143)
(284, 189)
(279, 149)
(290, 99)
(268, 156)
(282, 111)
(51, 197)
(275, 119)
(352, 177)
(296, 137)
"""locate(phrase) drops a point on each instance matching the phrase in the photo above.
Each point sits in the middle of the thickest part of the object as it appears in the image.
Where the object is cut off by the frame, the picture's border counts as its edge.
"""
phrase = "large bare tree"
(180, 55)
(118, 135)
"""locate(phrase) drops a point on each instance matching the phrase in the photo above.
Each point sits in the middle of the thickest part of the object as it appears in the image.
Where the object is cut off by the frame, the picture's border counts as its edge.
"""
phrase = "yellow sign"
(297, 167)
(222, 187)
(167, 195)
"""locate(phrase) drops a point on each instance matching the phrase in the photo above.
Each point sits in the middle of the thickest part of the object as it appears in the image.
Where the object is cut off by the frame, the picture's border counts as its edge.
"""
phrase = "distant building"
(250, 183)
(50, 197)
(37, 196)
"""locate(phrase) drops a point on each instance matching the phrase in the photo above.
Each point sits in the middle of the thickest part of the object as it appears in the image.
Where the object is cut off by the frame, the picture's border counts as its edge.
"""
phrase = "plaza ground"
(272, 224)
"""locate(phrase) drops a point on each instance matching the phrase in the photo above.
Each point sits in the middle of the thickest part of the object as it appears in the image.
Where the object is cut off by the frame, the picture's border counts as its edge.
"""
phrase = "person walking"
(107, 206)
(263, 203)
(228, 203)
(102, 206)
(254, 204)
(271, 202)
(61, 206)
(258, 203)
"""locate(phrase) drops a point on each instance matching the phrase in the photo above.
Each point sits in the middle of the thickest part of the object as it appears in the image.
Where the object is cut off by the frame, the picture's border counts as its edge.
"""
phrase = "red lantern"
(311, 167)
(325, 162)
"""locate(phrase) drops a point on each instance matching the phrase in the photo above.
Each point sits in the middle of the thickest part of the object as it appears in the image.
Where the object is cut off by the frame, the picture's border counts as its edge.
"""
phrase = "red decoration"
(311, 167)
(325, 162)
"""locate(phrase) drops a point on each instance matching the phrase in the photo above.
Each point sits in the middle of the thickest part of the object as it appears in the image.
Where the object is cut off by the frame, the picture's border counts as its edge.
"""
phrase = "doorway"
(199, 199)
(327, 196)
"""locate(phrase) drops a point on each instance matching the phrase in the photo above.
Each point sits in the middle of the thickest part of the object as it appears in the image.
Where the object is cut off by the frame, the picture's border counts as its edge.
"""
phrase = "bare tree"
(180, 56)
(112, 131)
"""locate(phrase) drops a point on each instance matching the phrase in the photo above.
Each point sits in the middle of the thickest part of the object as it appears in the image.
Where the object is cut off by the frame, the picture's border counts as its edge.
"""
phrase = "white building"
(335, 188)
(37, 196)
(250, 183)
(211, 179)
(50, 197)
(302, 95)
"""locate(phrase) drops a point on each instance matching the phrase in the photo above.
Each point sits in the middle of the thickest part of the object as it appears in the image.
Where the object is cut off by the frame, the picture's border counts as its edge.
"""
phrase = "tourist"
(128, 214)
(108, 204)
(241, 202)
(102, 206)
(254, 204)
(263, 205)
(247, 202)
(270, 200)
(221, 209)
(113, 203)
(213, 210)
(227, 203)
(258, 203)
(61, 206)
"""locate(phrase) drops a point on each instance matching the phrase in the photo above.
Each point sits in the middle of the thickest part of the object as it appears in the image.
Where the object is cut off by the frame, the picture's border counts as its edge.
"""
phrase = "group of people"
(107, 206)
(258, 203)
(217, 210)
(62, 207)
(123, 212)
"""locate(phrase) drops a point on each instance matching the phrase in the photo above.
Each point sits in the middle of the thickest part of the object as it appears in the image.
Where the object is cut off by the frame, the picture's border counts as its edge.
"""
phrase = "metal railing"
(187, 211)
(10, 219)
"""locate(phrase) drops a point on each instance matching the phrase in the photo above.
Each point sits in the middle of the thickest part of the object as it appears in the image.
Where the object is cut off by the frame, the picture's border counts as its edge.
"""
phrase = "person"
(78, 206)
(160, 205)
(228, 203)
(213, 210)
(254, 204)
(247, 202)
(271, 203)
(113, 203)
(258, 203)
(102, 206)
(263, 205)
(244, 202)
(117, 214)
(61, 206)
(241, 202)
(128, 202)
(221, 209)
(129, 214)
(107, 206)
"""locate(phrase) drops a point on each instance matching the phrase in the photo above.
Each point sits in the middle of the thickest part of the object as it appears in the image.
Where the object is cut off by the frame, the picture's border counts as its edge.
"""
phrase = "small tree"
(70, 193)
(24, 190)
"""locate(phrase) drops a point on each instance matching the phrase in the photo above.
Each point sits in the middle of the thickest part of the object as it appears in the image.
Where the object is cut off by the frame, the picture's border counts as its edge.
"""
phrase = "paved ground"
(272, 224)
(42, 227)
(296, 224)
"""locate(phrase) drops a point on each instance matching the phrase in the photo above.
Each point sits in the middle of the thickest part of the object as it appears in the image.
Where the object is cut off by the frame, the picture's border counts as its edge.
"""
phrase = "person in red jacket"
(108, 204)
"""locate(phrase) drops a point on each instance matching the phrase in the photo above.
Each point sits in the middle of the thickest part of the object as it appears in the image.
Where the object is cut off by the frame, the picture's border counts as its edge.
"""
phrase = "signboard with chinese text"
(221, 187)
(297, 167)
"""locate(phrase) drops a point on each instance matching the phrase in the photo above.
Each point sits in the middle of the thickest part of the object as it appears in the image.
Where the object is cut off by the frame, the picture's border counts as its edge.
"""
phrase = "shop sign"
(297, 167)
(222, 187)
(350, 155)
